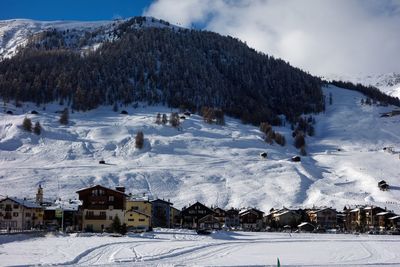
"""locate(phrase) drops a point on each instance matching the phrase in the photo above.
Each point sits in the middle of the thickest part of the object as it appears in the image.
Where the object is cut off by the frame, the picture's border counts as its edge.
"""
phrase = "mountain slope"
(389, 83)
(218, 165)
(158, 65)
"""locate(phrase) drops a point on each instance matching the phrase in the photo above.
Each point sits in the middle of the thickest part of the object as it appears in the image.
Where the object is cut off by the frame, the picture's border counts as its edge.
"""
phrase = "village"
(102, 209)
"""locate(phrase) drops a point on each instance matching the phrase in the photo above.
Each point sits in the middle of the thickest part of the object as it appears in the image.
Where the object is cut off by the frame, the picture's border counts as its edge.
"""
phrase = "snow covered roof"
(383, 213)
(23, 202)
(394, 217)
(304, 223)
(70, 205)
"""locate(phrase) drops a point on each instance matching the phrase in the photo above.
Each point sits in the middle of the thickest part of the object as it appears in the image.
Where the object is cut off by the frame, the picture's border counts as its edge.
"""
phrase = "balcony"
(95, 217)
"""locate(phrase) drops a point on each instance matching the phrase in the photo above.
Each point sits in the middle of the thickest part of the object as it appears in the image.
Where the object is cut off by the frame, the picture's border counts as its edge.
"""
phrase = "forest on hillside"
(175, 67)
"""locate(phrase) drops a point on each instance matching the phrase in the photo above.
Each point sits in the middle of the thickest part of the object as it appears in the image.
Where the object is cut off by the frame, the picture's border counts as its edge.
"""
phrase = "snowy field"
(217, 165)
(183, 247)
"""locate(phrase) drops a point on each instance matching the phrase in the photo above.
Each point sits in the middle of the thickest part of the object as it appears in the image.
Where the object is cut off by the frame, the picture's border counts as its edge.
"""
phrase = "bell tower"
(39, 195)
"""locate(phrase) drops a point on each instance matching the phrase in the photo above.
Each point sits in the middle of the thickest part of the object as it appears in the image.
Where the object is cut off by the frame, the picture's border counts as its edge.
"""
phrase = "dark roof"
(100, 186)
(23, 202)
(162, 201)
(198, 203)
(259, 212)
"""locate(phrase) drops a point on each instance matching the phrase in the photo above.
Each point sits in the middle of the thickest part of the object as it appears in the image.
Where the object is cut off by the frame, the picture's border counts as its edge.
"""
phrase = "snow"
(184, 247)
(216, 165)
(388, 83)
(15, 32)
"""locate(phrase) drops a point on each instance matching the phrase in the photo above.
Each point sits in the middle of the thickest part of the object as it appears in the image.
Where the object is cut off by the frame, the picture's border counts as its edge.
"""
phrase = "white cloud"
(320, 36)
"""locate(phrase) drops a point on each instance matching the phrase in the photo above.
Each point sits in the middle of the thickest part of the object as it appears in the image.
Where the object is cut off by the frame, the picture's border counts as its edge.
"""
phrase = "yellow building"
(138, 215)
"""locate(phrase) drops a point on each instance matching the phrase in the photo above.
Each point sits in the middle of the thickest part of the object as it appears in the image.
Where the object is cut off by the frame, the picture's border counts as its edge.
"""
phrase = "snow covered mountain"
(218, 165)
(388, 83)
(16, 32)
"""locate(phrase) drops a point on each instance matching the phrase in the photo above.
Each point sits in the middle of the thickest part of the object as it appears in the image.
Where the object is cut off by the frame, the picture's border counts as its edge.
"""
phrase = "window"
(1, 206)
(131, 220)
(102, 213)
(15, 214)
(94, 192)
(89, 213)
(110, 207)
(141, 220)
(111, 198)
(27, 214)
(16, 206)
(110, 218)
(8, 207)
(135, 208)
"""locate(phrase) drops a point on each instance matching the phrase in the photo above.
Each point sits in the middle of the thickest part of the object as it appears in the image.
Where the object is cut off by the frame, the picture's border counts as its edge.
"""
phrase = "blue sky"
(71, 9)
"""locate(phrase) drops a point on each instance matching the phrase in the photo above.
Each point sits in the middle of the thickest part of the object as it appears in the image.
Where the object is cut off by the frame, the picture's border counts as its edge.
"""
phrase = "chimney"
(120, 188)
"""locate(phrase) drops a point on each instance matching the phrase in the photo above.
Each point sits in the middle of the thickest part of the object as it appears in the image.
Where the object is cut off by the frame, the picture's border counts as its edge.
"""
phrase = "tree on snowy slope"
(139, 140)
(38, 128)
(174, 119)
(27, 124)
(64, 118)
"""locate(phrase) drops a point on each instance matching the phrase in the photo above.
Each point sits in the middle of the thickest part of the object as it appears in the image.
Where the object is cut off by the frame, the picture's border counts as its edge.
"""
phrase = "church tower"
(39, 195)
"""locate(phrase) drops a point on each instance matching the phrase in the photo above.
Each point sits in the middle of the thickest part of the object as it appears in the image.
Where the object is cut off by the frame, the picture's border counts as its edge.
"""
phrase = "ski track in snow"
(169, 247)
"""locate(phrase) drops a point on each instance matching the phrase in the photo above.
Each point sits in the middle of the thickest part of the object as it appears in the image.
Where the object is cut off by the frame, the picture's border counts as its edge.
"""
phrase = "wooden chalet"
(100, 205)
(383, 185)
(251, 219)
(210, 222)
(220, 214)
(383, 219)
(190, 216)
(323, 218)
(232, 219)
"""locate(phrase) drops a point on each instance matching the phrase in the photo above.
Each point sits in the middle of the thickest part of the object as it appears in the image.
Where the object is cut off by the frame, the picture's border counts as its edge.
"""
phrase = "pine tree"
(27, 124)
(174, 119)
(116, 225)
(139, 140)
(38, 128)
(64, 118)
(299, 140)
(158, 118)
(164, 119)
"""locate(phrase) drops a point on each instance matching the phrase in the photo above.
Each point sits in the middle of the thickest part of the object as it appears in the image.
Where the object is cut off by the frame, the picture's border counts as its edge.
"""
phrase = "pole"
(62, 218)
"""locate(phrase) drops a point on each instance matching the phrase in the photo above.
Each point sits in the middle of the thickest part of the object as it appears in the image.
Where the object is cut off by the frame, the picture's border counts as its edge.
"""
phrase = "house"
(383, 185)
(305, 227)
(210, 222)
(161, 213)
(232, 219)
(20, 214)
(285, 216)
(63, 215)
(251, 219)
(175, 218)
(371, 218)
(138, 214)
(323, 218)
(100, 205)
(383, 219)
(190, 216)
(394, 222)
(220, 214)
(355, 219)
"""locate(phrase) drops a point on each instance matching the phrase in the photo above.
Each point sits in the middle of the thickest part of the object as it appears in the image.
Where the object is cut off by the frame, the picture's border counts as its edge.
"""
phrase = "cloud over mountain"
(323, 37)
